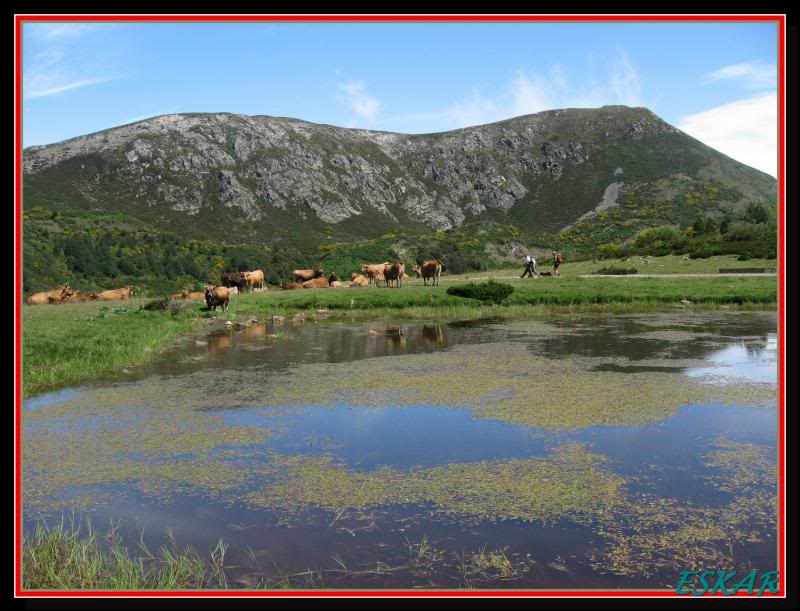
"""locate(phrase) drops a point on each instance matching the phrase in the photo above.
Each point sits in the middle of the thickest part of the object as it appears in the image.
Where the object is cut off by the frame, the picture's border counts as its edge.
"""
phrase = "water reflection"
(754, 362)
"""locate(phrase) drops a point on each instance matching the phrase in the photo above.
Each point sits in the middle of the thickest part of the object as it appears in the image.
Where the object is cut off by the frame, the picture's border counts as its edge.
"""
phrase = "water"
(577, 452)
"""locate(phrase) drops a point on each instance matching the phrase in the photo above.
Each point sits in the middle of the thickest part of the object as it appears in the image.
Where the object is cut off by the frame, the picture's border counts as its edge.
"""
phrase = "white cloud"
(39, 90)
(53, 62)
(752, 75)
(364, 105)
(626, 86)
(746, 130)
(530, 94)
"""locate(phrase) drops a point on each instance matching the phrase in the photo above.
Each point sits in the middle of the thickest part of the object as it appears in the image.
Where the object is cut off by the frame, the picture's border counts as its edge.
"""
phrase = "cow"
(233, 279)
(197, 295)
(394, 271)
(55, 296)
(254, 279)
(430, 269)
(358, 280)
(301, 275)
(113, 295)
(181, 295)
(374, 271)
(217, 296)
(320, 283)
(291, 286)
(81, 297)
(234, 290)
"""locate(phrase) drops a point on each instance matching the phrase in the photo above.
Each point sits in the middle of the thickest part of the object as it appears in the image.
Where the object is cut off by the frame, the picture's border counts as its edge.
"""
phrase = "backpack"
(559, 257)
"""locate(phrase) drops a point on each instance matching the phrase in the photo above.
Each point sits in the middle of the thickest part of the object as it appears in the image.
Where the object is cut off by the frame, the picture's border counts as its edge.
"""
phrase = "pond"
(580, 451)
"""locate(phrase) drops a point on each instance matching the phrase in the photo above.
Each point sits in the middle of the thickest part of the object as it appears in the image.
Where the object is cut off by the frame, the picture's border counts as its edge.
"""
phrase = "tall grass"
(75, 557)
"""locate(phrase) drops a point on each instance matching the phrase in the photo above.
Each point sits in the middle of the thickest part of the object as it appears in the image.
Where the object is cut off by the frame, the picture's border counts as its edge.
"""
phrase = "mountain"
(253, 179)
(176, 199)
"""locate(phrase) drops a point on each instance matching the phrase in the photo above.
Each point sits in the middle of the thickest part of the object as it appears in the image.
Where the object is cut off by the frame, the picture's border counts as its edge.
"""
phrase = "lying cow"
(430, 269)
(55, 296)
(197, 295)
(358, 280)
(181, 295)
(320, 283)
(123, 293)
(302, 275)
(81, 297)
(217, 296)
(291, 286)
(394, 272)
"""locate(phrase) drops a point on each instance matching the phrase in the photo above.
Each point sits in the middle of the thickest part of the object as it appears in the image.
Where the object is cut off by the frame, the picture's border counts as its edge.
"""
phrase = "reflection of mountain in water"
(747, 361)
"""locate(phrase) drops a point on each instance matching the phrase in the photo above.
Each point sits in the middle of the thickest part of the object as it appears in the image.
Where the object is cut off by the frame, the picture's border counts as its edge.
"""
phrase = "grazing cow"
(358, 280)
(374, 271)
(291, 286)
(430, 269)
(394, 272)
(301, 275)
(113, 295)
(254, 279)
(55, 296)
(81, 297)
(320, 283)
(217, 296)
(234, 279)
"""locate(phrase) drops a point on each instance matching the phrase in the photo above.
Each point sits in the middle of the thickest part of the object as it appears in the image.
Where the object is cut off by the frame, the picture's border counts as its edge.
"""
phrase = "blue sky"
(717, 81)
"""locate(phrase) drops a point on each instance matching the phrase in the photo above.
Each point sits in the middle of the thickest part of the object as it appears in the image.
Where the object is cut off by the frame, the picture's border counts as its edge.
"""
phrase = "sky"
(715, 81)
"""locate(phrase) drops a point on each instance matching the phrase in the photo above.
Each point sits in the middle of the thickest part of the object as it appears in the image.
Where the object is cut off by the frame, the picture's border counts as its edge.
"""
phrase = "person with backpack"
(530, 267)
(558, 259)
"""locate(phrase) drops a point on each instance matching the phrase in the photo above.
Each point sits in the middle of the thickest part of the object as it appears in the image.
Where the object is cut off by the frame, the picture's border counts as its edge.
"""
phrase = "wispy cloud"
(353, 94)
(531, 92)
(41, 92)
(746, 130)
(751, 75)
(54, 63)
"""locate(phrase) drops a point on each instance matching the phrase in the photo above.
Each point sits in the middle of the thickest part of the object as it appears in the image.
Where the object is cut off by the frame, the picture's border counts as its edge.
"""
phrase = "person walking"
(530, 267)
(558, 259)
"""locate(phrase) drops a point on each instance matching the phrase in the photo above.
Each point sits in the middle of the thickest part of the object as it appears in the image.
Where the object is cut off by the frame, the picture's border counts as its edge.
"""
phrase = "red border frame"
(780, 20)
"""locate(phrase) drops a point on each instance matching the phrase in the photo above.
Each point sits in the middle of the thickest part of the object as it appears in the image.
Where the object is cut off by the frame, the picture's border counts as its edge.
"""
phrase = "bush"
(660, 240)
(617, 271)
(489, 292)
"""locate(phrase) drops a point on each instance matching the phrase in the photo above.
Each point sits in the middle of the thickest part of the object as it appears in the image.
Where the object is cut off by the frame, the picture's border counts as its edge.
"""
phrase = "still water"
(574, 452)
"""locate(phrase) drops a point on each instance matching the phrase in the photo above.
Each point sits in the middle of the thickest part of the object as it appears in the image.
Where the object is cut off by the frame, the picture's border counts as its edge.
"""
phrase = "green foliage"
(613, 270)
(488, 292)
(660, 240)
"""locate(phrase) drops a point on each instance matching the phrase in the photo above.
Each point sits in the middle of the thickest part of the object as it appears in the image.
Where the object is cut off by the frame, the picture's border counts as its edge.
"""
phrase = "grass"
(72, 343)
(72, 557)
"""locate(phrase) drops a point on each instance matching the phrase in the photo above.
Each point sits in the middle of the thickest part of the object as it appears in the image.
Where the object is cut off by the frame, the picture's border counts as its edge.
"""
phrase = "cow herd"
(66, 294)
(372, 274)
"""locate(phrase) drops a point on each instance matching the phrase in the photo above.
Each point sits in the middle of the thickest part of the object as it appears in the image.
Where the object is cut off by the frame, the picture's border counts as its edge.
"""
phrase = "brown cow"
(198, 295)
(181, 295)
(113, 295)
(231, 279)
(374, 271)
(291, 286)
(55, 296)
(301, 275)
(217, 296)
(254, 279)
(81, 297)
(358, 280)
(320, 283)
(394, 272)
(430, 269)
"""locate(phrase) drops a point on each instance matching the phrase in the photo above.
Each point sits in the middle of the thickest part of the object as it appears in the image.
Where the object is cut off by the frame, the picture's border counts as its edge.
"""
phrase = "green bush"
(616, 271)
(489, 292)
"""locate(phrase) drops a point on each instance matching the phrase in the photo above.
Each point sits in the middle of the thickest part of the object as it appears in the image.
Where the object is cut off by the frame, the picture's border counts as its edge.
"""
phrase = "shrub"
(663, 239)
(616, 271)
(489, 292)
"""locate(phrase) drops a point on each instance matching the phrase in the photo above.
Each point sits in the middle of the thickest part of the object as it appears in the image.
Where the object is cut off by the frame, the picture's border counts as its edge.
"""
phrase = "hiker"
(558, 259)
(530, 267)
